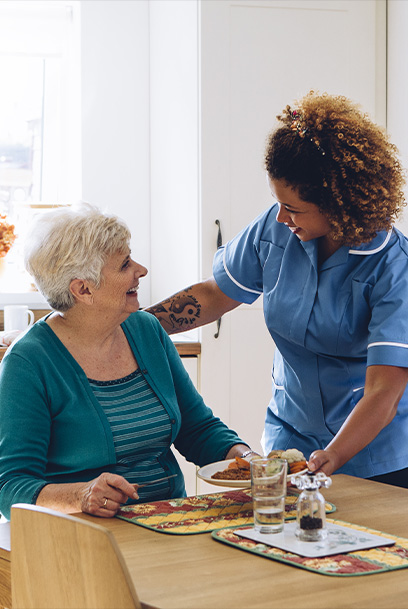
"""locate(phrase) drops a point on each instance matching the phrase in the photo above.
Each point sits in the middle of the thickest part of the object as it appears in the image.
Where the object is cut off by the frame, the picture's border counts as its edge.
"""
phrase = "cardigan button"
(173, 421)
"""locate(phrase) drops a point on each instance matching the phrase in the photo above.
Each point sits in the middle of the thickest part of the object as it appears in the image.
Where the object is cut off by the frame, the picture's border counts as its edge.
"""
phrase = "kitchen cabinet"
(191, 364)
(193, 484)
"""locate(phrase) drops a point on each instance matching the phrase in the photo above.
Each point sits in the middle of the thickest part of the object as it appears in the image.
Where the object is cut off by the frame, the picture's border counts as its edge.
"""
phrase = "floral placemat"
(201, 513)
(360, 562)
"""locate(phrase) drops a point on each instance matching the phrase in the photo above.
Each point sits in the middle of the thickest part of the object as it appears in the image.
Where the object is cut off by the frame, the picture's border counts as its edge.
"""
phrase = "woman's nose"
(142, 270)
(282, 216)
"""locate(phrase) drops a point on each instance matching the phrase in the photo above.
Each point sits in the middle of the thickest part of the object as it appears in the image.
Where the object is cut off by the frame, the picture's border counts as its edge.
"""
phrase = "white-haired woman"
(93, 396)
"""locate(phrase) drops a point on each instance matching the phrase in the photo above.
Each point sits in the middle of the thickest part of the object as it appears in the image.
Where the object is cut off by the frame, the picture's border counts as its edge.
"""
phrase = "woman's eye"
(126, 264)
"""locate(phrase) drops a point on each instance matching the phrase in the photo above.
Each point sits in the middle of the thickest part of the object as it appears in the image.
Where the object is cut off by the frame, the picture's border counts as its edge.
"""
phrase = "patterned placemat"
(361, 562)
(201, 513)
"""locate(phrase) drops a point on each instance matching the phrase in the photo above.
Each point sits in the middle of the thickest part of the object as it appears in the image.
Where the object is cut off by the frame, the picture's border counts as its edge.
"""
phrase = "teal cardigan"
(53, 430)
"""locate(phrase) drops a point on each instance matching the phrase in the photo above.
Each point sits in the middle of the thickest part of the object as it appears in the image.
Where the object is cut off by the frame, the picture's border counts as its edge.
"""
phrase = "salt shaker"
(311, 509)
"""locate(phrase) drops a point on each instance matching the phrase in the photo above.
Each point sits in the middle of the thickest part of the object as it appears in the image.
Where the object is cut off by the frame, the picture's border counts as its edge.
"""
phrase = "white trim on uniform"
(388, 344)
(279, 387)
(234, 280)
(374, 251)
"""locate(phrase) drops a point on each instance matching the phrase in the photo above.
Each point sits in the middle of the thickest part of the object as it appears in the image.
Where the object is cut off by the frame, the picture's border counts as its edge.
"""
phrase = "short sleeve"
(237, 267)
(388, 328)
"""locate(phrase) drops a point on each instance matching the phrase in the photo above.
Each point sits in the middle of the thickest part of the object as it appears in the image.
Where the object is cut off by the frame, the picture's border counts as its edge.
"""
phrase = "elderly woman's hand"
(104, 495)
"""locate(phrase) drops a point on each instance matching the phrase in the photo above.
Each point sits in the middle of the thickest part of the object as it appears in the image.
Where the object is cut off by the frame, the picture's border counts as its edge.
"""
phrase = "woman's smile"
(133, 291)
(294, 229)
(303, 219)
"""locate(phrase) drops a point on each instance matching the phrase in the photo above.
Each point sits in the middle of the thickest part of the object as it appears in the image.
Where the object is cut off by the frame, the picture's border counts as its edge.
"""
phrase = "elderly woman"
(333, 272)
(93, 396)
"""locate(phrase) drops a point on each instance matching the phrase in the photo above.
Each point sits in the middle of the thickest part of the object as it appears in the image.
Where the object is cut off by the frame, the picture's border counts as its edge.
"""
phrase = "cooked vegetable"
(233, 465)
(292, 455)
(296, 467)
(242, 463)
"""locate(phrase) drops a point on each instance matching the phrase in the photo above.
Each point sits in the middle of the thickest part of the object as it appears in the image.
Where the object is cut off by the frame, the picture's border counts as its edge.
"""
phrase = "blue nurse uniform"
(328, 324)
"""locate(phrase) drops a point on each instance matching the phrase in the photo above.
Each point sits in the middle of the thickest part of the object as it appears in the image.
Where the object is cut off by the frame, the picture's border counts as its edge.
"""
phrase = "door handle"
(219, 235)
(219, 244)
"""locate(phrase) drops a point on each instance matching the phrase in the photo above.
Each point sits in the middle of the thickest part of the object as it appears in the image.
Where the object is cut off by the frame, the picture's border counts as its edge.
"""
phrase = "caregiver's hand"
(326, 461)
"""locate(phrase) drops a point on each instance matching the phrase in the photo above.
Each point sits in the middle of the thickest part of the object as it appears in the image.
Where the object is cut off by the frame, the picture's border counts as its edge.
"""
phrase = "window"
(39, 118)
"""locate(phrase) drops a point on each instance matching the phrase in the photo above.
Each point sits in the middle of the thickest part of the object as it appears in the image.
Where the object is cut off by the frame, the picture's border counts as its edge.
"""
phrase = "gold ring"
(105, 502)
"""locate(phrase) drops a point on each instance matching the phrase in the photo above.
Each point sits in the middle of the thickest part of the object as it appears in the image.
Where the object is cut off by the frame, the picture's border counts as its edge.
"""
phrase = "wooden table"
(195, 571)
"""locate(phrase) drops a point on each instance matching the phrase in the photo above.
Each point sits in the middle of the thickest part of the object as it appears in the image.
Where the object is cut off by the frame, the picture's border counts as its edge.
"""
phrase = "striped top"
(141, 430)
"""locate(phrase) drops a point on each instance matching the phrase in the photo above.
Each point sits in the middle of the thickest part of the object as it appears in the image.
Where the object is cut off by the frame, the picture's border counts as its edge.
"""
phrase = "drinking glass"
(268, 486)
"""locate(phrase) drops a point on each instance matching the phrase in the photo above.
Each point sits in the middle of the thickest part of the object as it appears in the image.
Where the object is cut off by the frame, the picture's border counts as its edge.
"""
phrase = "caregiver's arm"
(383, 390)
(195, 306)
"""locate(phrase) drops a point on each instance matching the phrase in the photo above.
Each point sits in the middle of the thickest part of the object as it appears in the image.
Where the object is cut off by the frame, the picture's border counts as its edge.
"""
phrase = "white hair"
(71, 243)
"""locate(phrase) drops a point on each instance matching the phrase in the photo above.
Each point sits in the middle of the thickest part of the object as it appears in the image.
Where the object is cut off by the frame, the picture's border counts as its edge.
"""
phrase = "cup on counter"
(17, 317)
(268, 486)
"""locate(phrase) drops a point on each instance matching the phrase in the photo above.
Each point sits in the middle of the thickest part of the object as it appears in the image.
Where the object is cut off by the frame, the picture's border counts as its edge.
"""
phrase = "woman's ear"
(82, 291)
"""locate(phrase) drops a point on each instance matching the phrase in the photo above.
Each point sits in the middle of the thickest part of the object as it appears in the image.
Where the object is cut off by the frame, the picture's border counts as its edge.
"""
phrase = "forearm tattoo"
(178, 313)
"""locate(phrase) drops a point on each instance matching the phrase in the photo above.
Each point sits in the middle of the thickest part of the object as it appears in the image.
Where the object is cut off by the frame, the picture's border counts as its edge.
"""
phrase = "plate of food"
(236, 473)
(227, 473)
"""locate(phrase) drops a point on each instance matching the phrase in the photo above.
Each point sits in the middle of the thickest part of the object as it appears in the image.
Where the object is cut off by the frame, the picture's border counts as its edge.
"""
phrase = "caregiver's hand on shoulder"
(326, 461)
(104, 495)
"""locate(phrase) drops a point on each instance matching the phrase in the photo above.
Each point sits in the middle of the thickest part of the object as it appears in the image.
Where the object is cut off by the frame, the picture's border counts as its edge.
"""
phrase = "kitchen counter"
(184, 346)
(185, 349)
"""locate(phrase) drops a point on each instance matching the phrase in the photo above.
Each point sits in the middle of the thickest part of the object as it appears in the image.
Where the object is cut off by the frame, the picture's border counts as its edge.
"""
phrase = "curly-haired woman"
(333, 272)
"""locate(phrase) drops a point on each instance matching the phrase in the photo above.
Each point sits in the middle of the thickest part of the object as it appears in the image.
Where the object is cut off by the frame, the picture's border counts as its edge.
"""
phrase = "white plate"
(207, 471)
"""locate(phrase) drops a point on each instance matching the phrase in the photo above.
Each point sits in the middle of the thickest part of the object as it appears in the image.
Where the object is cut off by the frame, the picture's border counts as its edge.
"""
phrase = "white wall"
(397, 82)
(115, 116)
(174, 145)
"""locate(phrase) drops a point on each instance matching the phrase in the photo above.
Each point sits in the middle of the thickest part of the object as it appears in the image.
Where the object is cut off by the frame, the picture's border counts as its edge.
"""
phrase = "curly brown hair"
(337, 158)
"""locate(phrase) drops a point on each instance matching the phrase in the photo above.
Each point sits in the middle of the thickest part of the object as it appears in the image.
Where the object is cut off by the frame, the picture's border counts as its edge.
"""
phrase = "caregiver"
(333, 271)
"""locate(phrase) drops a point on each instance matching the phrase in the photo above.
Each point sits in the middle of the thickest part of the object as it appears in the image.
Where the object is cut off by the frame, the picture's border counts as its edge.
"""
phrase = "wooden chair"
(62, 562)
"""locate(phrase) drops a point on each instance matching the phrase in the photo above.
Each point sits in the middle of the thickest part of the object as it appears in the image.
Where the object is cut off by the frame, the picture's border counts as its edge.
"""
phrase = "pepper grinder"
(311, 509)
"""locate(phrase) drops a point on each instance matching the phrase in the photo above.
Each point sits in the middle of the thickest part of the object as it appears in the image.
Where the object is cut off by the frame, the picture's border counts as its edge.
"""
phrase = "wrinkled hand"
(326, 461)
(104, 495)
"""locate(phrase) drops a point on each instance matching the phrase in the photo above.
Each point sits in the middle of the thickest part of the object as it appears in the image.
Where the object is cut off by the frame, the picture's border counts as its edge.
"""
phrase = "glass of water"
(268, 486)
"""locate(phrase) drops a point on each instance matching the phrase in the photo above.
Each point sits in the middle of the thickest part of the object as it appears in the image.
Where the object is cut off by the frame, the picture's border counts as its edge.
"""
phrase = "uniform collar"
(374, 246)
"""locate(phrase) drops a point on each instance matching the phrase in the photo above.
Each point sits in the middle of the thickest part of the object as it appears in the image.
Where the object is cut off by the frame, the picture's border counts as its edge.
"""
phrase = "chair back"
(63, 562)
